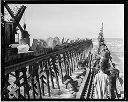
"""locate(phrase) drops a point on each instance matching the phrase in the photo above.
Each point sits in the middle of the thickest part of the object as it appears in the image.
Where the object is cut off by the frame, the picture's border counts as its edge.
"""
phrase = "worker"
(23, 46)
(95, 63)
(101, 82)
(114, 74)
(105, 52)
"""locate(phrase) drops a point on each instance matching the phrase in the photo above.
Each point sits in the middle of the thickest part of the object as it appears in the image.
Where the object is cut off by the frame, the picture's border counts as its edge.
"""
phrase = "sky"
(74, 20)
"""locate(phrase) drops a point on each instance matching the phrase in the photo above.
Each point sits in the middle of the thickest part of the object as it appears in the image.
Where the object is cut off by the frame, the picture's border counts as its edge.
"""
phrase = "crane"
(11, 27)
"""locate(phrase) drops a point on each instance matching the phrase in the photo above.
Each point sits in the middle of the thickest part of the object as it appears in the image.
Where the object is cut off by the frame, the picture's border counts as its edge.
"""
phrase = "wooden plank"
(56, 70)
(50, 70)
(59, 57)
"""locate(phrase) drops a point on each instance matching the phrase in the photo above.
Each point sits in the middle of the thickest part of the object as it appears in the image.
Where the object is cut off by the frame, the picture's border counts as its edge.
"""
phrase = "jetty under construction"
(65, 71)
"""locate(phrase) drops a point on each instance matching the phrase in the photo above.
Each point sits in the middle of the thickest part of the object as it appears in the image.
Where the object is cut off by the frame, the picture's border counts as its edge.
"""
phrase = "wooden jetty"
(32, 75)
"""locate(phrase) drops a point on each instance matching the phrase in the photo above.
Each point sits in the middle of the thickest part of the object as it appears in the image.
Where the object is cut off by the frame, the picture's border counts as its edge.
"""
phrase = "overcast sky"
(74, 20)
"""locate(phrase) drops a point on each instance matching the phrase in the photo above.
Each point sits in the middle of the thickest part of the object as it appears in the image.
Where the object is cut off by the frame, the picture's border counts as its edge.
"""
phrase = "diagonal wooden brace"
(18, 15)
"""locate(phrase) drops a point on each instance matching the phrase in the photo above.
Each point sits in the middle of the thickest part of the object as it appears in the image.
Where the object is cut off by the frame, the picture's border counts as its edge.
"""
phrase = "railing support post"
(47, 73)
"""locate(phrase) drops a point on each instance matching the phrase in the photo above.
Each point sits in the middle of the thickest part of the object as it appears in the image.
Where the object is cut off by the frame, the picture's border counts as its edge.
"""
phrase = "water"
(116, 47)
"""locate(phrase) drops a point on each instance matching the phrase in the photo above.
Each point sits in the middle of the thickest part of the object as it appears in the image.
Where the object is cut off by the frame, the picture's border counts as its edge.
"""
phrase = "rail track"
(89, 89)
(86, 90)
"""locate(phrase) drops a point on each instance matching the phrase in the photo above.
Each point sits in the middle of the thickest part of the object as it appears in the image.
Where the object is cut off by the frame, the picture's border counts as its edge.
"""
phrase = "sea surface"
(116, 47)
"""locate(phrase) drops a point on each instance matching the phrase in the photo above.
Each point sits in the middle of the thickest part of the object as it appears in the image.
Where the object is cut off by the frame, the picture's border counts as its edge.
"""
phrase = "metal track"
(88, 91)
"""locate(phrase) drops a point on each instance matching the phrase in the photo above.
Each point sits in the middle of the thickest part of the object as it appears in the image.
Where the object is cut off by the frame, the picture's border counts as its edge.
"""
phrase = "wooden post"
(47, 73)
(36, 68)
(55, 69)
(51, 72)
(71, 71)
(32, 81)
(68, 63)
(59, 58)
(83, 54)
(70, 54)
(76, 55)
(81, 57)
(41, 77)
(42, 85)
(26, 85)
(74, 59)
(5, 91)
(17, 73)
(77, 58)
(65, 65)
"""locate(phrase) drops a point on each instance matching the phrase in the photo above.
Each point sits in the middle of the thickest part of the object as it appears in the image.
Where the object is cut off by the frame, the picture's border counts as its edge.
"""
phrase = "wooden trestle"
(26, 76)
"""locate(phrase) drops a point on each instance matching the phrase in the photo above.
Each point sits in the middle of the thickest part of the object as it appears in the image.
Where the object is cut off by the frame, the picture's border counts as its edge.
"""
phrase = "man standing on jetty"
(101, 82)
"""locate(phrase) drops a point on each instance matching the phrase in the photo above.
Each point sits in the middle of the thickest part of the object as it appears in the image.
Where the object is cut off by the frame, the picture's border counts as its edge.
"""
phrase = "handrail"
(42, 69)
(28, 62)
(44, 51)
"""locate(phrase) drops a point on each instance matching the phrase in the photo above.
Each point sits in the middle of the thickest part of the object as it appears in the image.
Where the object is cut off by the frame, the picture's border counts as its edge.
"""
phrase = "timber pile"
(67, 93)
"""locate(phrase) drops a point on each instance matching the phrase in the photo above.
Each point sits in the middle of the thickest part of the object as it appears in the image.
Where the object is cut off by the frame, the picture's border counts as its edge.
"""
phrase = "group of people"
(106, 74)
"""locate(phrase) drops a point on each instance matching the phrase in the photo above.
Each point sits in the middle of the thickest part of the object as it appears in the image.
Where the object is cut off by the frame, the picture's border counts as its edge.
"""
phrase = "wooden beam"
(14, 17)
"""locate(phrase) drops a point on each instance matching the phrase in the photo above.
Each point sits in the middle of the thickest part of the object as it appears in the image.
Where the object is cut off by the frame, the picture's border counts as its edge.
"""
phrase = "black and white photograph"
(62, 51)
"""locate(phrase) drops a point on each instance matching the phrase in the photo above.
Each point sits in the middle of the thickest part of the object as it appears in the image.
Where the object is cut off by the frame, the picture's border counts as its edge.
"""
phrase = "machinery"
(11, 31)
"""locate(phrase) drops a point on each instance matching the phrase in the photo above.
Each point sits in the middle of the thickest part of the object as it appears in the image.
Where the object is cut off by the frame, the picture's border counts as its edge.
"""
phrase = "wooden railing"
(33, 75)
